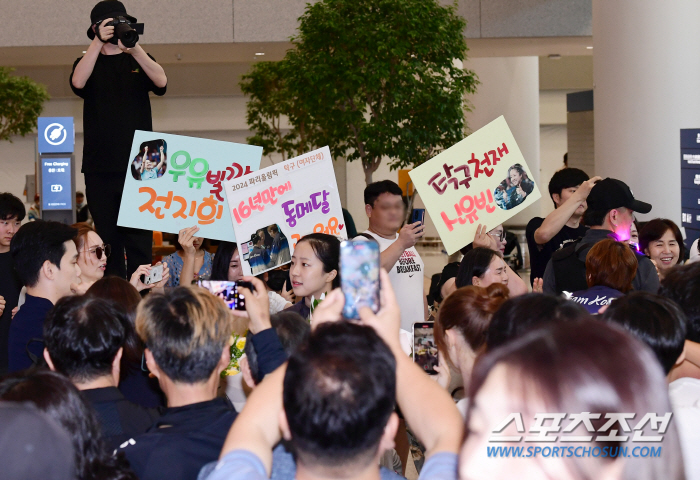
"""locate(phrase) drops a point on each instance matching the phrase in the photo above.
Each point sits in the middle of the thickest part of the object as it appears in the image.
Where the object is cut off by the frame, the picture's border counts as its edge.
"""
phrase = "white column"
(510, 86)
(645, 71)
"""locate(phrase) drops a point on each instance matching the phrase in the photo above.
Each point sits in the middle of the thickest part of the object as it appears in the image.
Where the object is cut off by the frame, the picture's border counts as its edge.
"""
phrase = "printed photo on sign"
(268, 248)
(151, 161)
(513, 191)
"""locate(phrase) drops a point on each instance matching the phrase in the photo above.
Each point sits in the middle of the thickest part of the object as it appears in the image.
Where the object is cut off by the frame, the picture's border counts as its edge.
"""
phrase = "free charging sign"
(56, 135)
(56, 184)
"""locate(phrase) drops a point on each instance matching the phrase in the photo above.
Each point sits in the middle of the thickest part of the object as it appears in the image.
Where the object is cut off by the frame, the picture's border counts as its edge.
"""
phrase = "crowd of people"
(129, 374)
(111, 372)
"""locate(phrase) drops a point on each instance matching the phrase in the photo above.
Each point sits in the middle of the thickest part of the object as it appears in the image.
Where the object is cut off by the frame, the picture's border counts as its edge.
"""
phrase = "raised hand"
(484, 240)
(257, 305)
(186, 238)
(410, 234)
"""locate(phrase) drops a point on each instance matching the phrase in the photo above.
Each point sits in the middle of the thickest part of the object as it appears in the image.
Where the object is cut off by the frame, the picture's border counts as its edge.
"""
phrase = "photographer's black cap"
(611, 193)
(107, 9)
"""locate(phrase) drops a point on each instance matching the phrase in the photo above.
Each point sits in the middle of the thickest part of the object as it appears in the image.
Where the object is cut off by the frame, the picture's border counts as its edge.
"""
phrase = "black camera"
(124, 30)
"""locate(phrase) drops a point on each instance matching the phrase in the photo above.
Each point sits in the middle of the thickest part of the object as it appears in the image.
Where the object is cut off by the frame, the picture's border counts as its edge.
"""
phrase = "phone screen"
(418, 215)
(425, 353)
(228, 291)
(359, 276)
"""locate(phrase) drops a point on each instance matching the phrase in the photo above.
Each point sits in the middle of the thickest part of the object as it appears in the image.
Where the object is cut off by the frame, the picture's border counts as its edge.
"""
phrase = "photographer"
(114, 82)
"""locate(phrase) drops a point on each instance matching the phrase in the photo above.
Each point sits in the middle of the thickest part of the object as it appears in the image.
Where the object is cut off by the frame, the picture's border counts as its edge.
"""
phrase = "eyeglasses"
(499, 236)
(98, 251)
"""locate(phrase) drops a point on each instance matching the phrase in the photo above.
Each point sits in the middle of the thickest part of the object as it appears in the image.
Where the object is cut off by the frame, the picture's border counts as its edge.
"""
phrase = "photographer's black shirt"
(540, 254)
(116, 104)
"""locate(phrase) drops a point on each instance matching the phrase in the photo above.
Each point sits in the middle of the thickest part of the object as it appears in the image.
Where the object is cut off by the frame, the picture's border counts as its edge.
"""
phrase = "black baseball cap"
(107, 9)
(611, 193)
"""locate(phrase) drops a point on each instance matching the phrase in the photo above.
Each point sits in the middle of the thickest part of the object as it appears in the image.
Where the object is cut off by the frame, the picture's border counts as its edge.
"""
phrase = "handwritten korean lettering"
(197, 168)
(437, 181)
(467, 209)
(215, 178)
(207, 211)
(258, 201)
(318, 200)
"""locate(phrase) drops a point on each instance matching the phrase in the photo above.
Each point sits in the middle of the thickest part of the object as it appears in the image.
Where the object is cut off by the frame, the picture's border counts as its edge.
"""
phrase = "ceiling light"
(589, 48)
(84, 51)
(259, 54)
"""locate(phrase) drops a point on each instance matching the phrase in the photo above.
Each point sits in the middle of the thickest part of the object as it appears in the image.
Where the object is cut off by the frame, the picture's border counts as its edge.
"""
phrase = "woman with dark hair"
(610, 270)
(135, 383)
(662, 241)
(494, 239)
(481, 267)
(227, 267)
(558, 371)
(227, 263)
(513, 190)
(57, 396)
(460, 330)
(315, 269)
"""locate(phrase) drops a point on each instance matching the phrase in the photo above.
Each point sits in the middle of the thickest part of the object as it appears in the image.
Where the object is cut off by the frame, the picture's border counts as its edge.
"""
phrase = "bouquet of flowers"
(314, 303)
(237, 343)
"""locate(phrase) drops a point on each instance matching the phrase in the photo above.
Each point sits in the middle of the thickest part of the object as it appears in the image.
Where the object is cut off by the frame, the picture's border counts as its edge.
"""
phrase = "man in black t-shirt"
(569, 189)
(114, 82)
(12, 213)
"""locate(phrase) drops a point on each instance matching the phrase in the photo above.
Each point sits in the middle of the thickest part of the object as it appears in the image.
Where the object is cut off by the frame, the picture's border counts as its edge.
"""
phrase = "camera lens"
(128, 36)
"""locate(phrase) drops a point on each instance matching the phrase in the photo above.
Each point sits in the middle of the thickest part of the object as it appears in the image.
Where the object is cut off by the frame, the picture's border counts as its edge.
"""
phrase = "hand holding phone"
(425, 352)
(418, 215)
(155, 276)
(228, 291)
(359, 276)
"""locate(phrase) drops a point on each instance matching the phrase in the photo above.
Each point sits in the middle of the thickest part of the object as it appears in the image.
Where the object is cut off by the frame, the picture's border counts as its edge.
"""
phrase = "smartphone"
(359, 276)
(155, 276)
(418, 215)
(425, 353)
(228, 291)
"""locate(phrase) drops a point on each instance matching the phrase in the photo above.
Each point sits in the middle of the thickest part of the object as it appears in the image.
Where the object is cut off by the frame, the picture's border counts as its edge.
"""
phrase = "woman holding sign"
(315, 267)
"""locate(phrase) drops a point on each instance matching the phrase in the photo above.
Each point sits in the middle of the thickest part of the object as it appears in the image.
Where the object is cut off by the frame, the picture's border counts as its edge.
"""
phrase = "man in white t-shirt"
(386, 211)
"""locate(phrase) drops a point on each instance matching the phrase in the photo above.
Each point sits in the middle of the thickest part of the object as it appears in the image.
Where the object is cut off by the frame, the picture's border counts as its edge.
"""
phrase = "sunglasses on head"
(98, 251)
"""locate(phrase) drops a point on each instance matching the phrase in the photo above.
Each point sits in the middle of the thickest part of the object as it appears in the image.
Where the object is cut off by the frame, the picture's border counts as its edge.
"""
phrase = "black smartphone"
(228, 291)
(418, 215)
(359, 276)
(425, 352)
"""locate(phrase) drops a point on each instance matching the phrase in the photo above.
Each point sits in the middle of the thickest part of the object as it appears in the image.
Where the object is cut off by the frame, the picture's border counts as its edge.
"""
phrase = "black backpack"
(569, 270)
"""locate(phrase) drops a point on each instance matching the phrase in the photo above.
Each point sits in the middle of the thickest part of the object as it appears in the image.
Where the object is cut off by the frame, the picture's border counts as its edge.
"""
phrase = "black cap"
(33, 445)
(611, 193)
(107, 9)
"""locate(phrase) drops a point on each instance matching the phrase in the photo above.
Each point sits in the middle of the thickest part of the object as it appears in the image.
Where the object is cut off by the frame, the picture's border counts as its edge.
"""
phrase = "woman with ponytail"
(460, 330)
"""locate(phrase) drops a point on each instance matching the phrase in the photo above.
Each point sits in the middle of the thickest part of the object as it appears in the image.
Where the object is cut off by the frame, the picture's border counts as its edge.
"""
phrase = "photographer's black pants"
(104, 195)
